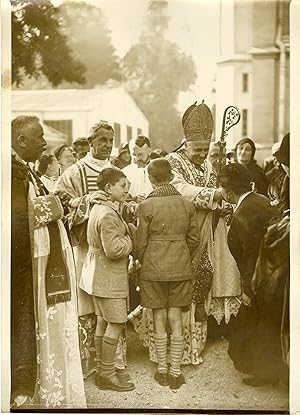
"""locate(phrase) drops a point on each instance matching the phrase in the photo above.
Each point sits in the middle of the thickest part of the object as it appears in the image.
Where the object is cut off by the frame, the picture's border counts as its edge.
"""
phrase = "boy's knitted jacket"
(167, 235)
(105, 273)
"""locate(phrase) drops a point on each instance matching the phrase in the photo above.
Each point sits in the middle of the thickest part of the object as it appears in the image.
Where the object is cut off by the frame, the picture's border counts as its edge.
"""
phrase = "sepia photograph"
(148, 227)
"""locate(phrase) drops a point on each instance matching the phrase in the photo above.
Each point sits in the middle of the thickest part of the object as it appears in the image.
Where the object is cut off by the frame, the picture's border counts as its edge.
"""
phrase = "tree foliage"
(156, 71)
(89, 38)
(39, 47)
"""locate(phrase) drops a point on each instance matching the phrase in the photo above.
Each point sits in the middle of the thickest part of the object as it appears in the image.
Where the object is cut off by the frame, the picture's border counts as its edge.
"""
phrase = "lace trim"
(224, 307)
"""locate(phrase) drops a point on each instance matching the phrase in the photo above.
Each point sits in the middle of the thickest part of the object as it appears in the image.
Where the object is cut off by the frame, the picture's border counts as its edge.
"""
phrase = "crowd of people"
(158, 240)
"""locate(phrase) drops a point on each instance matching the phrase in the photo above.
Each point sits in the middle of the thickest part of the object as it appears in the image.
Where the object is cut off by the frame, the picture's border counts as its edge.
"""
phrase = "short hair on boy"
(160, 169)
(109, 176)
(236, 177)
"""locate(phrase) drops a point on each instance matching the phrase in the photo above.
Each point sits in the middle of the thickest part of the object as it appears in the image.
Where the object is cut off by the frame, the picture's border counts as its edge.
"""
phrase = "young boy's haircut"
(109, 176)
(160, 170)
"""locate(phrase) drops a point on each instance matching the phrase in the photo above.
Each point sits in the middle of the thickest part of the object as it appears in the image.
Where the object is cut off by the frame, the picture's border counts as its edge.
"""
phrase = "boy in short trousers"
(105, 275)
(166, 237)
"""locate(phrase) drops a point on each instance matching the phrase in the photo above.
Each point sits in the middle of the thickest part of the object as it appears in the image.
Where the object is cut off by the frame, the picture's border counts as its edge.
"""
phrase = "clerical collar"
(89, 159)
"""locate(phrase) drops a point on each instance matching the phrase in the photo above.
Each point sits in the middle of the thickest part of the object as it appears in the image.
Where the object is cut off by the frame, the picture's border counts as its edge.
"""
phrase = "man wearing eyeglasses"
(80, 182)
(137, 171)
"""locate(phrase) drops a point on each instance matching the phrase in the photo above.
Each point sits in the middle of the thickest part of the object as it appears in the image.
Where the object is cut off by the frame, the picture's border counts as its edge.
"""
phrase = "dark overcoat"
(23, 340)
(246, 233)
(244, 239)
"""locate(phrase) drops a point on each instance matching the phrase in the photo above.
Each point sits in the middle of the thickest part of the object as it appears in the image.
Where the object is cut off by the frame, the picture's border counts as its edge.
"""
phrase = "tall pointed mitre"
(197, 123)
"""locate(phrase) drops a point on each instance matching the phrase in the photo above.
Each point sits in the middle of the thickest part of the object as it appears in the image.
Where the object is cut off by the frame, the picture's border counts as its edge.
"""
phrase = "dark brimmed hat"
(275, 148)
(283, 154)
(123, 148)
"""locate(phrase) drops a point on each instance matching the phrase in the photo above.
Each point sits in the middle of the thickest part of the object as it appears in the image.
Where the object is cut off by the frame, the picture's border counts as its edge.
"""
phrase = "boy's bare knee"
(175, 320)
(114, 330)
(160, 320)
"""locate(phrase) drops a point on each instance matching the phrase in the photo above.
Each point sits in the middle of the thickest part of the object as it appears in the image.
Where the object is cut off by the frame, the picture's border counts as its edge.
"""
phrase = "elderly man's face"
(197, 151)
(140, 155)
(101, 146)
(33, 142)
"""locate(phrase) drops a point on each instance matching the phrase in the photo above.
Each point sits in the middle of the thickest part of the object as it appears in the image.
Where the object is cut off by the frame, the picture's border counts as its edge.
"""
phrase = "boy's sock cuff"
(110, 340)
(160, 336)
(176, 338)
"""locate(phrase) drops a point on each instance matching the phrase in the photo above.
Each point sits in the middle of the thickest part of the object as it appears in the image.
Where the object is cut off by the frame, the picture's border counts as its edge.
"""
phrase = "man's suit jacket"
(245, 235)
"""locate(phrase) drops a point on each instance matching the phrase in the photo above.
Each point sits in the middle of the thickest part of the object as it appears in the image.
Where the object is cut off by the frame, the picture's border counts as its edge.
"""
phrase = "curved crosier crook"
(231, 117)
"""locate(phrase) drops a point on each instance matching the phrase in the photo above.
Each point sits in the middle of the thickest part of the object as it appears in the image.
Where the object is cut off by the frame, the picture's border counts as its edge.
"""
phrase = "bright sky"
(193, 25)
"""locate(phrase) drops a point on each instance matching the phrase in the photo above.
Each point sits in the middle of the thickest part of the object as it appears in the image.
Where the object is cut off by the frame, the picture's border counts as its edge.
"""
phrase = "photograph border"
(294, 227)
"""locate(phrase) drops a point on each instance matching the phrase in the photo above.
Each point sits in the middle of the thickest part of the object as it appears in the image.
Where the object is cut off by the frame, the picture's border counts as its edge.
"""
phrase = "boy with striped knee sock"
(166, 237)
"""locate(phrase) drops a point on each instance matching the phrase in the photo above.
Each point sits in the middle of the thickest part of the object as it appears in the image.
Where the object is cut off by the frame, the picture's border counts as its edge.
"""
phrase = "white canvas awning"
(53, 137)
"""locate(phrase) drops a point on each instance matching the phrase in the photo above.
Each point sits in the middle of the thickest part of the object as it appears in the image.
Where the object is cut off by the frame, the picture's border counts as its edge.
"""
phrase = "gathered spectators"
(276, 177)
(65, 157)
(81, 147)
(48, 169)
(245, 152)
(124, 157)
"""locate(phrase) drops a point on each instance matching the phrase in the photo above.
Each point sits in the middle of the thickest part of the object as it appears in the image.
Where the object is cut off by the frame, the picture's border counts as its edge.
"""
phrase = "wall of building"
(243, 21)
(224, 97)
(74, 112)
(265, 14)
(226, 28)
(264, 102)
(254, 52)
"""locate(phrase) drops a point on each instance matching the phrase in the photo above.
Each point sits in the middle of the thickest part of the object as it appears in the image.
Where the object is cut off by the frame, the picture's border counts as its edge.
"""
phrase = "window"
(245, 82)
(117, 129)
(129, 132)
(64, 126)
(139, 131)
(244, 122)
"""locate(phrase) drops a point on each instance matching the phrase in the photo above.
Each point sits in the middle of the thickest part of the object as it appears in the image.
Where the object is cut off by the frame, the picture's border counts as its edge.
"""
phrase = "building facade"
(74, 111)
(253, 70)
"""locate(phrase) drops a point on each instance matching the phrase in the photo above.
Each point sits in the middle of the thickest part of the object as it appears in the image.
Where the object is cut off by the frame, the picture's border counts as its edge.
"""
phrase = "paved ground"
(215, 384)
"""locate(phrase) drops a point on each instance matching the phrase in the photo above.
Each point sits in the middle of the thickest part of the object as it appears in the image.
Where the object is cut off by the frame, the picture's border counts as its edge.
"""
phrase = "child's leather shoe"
(176, 381)
(161, 378)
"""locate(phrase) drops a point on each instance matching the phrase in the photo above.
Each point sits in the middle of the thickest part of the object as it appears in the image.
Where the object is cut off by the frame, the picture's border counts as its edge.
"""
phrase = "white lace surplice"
(59, 375)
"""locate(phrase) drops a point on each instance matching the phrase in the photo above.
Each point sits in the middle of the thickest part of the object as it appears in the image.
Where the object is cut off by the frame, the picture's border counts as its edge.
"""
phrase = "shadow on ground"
(214, 384)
